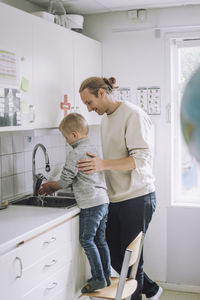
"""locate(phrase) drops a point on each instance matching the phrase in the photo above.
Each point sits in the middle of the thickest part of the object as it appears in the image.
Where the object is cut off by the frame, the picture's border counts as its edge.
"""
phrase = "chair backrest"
(131, 258)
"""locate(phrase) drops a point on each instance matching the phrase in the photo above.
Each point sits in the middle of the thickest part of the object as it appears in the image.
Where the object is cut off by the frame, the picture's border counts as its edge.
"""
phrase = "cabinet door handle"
(53, 285)
(31, 107)
(21, 267)
(52, 240)
(51, 263)
(168, 113)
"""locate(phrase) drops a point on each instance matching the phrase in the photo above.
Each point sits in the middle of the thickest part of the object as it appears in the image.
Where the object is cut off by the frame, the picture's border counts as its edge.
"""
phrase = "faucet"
(38, 178)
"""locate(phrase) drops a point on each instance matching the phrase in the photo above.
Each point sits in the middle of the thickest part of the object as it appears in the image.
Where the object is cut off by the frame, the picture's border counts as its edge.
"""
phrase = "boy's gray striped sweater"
(89, 189)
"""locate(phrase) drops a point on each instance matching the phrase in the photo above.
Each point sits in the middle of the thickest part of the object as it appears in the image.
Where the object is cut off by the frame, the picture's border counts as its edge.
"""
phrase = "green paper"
(24, 84)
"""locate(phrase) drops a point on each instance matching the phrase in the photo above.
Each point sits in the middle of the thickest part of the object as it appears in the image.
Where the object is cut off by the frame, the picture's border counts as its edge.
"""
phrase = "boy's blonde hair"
(74, 122)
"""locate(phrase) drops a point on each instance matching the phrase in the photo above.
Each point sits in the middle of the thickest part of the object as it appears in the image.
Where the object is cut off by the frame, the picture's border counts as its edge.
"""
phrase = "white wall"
(183, 263)
(138, 58)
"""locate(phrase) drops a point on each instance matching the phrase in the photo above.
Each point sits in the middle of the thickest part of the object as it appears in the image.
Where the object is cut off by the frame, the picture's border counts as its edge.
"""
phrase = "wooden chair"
(122, 287)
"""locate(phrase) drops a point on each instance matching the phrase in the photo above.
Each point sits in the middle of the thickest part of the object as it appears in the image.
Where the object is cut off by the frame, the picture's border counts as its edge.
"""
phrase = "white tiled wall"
(6, 145)
(16, 159)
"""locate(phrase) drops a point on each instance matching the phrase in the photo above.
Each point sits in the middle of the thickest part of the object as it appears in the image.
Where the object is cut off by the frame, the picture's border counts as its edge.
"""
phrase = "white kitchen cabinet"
(62, 59)
(10, 275)
(54, 60)
(45, 254)
(51, 286)
(48, 266)
(16, 32)
(79, 261)
(52, 72)
(64, 294)
(87, 63)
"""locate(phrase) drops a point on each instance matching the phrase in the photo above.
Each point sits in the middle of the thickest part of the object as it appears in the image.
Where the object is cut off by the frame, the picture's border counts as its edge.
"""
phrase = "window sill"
(182, 204)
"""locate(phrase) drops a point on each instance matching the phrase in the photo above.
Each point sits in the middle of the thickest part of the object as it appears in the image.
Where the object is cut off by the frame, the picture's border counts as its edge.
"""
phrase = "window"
(186, 170)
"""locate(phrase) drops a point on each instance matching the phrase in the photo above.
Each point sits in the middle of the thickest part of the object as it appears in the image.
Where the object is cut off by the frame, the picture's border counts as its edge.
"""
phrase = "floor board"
(173, 295)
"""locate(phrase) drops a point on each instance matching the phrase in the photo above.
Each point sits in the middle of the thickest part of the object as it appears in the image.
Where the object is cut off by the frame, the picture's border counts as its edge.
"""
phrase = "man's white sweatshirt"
(128, 132)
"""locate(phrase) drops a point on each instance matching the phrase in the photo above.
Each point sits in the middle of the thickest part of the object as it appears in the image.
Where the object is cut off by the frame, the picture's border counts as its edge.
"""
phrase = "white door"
(52, 72)
(87, 62)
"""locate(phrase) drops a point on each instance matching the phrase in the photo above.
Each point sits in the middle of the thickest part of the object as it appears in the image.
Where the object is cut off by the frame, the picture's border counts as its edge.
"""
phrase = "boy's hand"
(49, 188)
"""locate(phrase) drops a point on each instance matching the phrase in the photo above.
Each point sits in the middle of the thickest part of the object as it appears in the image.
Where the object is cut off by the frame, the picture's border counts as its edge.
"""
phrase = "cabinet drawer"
(52, 286)
(45, 267)
(65, 294)
(45, 243)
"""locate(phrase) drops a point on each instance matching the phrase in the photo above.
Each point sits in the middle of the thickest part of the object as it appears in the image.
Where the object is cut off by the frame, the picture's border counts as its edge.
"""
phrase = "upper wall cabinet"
(52, 71)
(53, 61)
(16, 32)
(87, 63)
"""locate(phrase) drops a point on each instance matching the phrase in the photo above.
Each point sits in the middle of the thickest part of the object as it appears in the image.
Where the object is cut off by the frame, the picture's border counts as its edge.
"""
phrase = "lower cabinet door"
(49, 288)
(11, 275)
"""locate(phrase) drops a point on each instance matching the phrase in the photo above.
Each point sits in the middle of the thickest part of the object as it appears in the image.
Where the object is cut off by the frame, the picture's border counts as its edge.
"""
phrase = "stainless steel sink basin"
(47, 201)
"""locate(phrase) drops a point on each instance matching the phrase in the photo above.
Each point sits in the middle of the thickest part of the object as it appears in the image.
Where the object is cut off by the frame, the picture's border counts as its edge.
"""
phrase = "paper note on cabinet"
(9, 69)
(24, 84)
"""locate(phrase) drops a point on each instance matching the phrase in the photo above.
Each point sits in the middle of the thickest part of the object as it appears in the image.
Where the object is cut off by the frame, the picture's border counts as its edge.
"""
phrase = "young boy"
(91, 196)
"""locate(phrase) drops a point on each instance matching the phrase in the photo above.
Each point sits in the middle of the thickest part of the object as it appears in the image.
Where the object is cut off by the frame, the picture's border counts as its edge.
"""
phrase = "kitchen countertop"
(18, 222)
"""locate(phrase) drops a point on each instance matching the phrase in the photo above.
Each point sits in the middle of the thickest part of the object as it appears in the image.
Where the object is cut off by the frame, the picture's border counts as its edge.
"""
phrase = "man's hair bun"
(93, 84)
(112, 81)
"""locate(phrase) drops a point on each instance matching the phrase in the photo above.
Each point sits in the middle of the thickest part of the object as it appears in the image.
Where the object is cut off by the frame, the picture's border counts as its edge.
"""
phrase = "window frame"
(176, 43)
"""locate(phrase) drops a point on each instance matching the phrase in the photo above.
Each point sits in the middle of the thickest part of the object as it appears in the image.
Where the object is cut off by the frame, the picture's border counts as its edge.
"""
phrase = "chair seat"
(109, 292)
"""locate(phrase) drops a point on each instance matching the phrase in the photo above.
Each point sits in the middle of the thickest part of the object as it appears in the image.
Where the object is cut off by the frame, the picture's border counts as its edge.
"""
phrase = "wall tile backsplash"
(18, 143)
(6, 165)
(18, 163)
(6, 145)
(16, 159)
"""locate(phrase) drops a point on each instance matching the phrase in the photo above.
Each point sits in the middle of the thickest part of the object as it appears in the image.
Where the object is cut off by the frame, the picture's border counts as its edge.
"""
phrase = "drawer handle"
(52, 240)
(54, 284)
(20, 264)
(51, 263)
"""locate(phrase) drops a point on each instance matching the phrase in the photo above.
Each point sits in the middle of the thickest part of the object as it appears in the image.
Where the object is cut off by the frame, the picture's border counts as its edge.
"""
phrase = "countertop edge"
(14, 242)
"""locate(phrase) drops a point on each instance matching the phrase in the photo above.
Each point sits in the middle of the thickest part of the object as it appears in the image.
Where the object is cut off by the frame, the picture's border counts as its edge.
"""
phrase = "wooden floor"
(170, 295)
(173, 295)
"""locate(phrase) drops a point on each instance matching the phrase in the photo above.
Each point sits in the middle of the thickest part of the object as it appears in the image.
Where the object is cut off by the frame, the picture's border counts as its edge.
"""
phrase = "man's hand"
(96, 164)
(49, 188)
(91, 165)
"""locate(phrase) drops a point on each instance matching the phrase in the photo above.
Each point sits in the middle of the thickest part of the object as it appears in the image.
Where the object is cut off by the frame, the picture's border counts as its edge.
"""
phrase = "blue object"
(190, 114)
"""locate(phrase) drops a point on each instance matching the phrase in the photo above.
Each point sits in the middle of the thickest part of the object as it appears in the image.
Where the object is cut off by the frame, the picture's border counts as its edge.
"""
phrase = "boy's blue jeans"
(92, 239)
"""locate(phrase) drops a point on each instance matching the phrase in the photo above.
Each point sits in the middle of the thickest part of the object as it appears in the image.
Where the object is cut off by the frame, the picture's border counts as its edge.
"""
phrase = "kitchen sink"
(47, 201)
